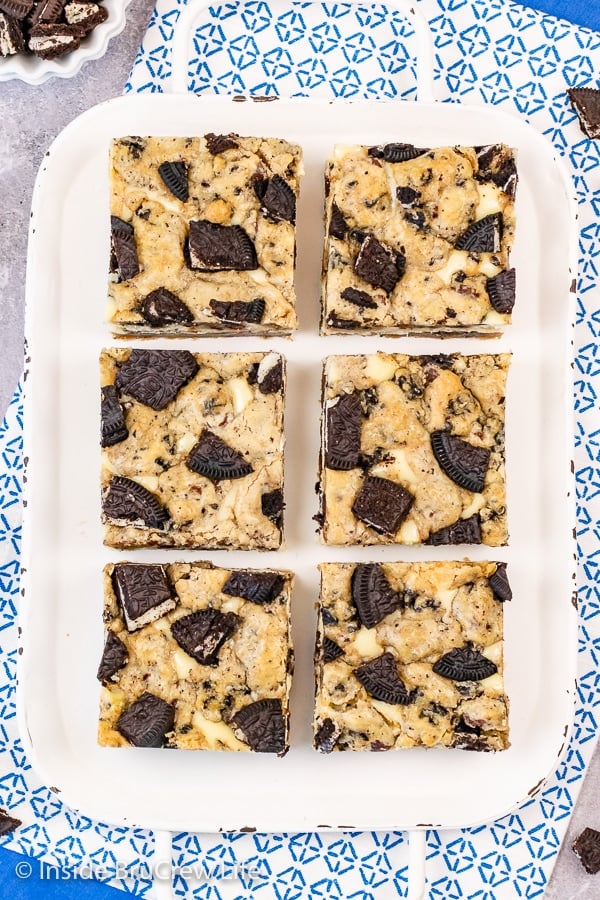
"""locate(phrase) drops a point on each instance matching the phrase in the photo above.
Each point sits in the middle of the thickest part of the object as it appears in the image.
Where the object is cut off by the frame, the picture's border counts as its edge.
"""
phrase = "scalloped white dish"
(32, 70)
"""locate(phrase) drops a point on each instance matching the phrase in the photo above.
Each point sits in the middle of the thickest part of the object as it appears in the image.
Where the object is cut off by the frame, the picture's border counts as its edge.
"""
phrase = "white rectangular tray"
(64, 555)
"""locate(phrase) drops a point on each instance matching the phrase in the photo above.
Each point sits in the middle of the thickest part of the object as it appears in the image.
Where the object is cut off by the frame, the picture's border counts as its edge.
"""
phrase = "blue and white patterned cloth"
(486, 51)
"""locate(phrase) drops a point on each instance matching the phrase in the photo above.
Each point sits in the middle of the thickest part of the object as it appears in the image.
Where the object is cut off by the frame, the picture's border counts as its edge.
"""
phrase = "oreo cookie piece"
(330, 650)
(175, 177)
(499, 584)
(11, 36)
(465, 664)
(463, 531)
(382, 504)
(203, 633)
(123, 257)
(338, 227)
(379, 265)
(272, 504)
(395, 153)
(86, 15)
(263, 726)
(238, 312)
(144, 593)
(18, 9)
(269, 376)
(8, 824)
(277, 199)
(586, 103)
(359, 298)
(114, 657)
(54, 39)
(343, 432)
(113, 429)
(482, 236)
(126, 500)
(326, 736)
(496, 163)
(501, 290)
(465, 464)
(162, 307)
(147, 722)
(257, 587)
(373, 595)
(216, 460)
(587, 848)
(219, 143)
(381, 680)
(155, 377)
(220, 248)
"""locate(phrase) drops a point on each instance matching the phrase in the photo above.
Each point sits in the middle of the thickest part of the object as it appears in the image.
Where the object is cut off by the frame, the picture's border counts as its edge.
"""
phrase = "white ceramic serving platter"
(33, 70)
(63, 552)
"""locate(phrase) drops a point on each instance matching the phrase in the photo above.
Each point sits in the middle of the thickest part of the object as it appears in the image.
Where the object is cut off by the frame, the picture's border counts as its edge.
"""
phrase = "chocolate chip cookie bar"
(411, 655)
(203, 235)
(412, 449)
(192, 449)
(195, 657)
(418, 239)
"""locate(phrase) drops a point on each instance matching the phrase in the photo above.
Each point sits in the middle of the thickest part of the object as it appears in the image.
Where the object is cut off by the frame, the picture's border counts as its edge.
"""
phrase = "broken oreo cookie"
(373, 595)
(113, 428)
(216, 460)
(175, 177)
(586, 103)
(123, 257)
(143, 591)
(501, 290)
(162, 307)
(203, 633)
(155, 377)
(220, 248)
(482, 236)
(258, 587)
(263, 726)
(381, 680)
(129, 501)
(465, 664)
(114, 657)
(464, 463)
(343, 432)
(238, 312)
(499, 584)
(382, 504)
(587, 848)
(277, 199)
(147, 722)
(379, 265)
(463, 531)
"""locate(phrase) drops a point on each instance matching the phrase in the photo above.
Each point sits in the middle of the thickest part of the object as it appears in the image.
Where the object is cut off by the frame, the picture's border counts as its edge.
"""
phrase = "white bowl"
(34, 70)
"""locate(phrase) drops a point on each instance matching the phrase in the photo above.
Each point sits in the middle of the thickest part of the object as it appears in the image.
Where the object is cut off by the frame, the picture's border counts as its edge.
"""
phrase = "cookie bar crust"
(203, 235)
(413, 449)
(193, 448)
(411, 655)
(213, 672)
(418, 239)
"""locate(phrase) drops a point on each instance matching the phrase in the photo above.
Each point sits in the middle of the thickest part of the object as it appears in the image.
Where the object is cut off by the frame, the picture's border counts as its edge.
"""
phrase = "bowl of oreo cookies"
(42, 39)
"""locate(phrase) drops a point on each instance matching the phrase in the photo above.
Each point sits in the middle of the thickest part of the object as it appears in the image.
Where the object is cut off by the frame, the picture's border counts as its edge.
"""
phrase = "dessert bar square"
(418, 239)
(203, 235)
(195, 657)
(192, 449)
(412, 449)
(411, 655)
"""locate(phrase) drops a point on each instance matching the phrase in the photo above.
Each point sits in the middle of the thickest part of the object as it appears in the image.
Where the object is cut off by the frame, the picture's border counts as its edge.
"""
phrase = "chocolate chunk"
(416, 218)
(219, 143)
(326, 736)
(483, 235)
(135, 146)
(235, 312)
(337, 224)
(382, 504)
(127, 500)
(501, 290)
(113, 429)
(496, 163)
(465, 464)
(379, 265)
(587, 848)
(18, 9)
(263, 726)
(257, 587)
(216, 460)
(373, 595)
(163, 307)
(269, 376)
(277, 199)
(203, 633)
(271, 505)
(380, 679)
(395, 153)
(335, 321)
(407, 196)
(331, 651)
(155, 377)
(11, 36)
(124, 257)
(219, 248)
(499, 584)
(147, 722)
(465, 664)
(8, 823)
(53, 39)
(114, 657)
(463, 531)
(144, 593)
(586, 103)
(343, 431)
(86, 15)
(175, 177)
(359, 298)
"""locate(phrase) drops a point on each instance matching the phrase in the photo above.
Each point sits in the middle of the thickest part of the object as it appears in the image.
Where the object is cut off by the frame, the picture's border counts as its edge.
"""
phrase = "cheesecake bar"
(195, 657)
(418, 239)
(411, 655)
(203, 235)
(192, 449)
(412, 449)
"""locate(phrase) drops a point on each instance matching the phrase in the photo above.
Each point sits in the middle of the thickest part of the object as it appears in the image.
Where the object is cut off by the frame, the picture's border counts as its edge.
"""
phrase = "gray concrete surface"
(31, 118)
